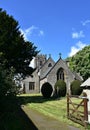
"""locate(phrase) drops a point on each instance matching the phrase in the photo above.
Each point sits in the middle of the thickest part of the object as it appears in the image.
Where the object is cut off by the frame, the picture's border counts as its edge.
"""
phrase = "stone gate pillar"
(87, 92)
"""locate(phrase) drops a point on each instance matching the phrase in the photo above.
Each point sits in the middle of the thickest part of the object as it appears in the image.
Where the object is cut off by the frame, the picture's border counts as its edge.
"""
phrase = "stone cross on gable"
(60, 55)
(50, 55)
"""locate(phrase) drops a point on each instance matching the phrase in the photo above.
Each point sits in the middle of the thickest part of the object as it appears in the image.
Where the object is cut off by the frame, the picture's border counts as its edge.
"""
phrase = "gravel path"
(45, 123)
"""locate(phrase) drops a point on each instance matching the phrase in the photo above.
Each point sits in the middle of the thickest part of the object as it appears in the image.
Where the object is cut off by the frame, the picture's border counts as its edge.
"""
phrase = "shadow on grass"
(33, 99)
(12, 117)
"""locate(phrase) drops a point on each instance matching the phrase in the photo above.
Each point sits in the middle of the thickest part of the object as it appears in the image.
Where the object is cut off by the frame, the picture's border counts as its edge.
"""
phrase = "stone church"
(47, 70)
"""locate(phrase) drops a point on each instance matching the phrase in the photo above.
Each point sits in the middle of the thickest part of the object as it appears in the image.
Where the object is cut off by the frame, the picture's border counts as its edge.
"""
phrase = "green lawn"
(50, 107)
(12, 118)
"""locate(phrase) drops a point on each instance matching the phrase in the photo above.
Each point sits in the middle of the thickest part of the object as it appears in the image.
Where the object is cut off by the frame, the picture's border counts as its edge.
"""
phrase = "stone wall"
(68, 76)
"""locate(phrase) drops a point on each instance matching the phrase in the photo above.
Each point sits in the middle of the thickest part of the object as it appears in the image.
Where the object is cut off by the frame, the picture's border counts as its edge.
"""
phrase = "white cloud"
(41, 33)
(76, 48)
(28, 32)
(31, 31)
(78, 34)
(32, 63)
(85, 22)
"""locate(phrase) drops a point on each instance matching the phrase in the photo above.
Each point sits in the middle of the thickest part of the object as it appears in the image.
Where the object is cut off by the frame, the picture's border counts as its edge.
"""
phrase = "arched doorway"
(60, 74)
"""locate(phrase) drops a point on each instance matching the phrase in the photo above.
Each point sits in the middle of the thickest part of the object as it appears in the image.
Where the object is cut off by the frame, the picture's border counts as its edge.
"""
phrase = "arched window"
(60, 74)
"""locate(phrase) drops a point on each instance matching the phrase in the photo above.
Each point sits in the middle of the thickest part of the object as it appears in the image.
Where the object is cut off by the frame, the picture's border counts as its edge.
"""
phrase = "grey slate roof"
(43, 75)
(86, 83)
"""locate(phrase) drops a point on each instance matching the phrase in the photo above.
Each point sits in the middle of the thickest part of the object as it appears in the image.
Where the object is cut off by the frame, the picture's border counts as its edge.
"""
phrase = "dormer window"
(49, 65)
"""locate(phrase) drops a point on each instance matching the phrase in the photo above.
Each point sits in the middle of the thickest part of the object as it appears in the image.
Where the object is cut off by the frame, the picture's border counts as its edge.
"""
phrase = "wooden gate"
(77, 109)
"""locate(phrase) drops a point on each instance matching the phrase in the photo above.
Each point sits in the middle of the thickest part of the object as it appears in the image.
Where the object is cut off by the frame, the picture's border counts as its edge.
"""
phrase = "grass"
(52, 108)
(13, 119)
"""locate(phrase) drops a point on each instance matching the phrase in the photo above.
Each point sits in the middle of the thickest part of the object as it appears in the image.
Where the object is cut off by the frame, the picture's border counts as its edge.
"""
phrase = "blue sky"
(54, 26)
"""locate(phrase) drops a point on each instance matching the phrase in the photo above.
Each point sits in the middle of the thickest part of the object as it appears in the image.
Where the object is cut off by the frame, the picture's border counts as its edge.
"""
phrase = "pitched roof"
(50, 58)
(60, 59)
(78, 76)
(86, 83)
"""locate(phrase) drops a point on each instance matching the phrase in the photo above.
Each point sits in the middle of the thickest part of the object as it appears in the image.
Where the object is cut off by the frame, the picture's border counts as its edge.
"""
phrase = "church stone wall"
(36, 80)
(52, 76)
(42, 82)
(48, 73)
(39, 60)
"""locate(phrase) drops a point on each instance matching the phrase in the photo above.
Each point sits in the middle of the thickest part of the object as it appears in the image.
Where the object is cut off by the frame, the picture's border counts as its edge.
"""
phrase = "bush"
(46, 90)
(60, 88)
(75, 87)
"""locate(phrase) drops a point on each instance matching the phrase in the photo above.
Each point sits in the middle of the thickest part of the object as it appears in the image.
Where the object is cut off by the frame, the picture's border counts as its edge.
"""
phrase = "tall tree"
(80, 62)
(15, 51)
(15, 54)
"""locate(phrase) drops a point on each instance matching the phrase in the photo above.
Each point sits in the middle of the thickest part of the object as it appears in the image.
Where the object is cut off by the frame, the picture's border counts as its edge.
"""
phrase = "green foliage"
(14, 50)
(7, 85)
(46, 90)
(60, 88)
(81, 62)
(8, 89)
(75, 87)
